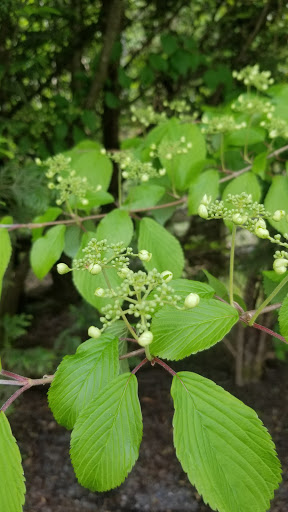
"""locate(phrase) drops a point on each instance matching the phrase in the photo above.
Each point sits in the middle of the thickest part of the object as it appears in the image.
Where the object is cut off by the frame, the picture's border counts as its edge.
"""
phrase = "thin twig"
(133, 353)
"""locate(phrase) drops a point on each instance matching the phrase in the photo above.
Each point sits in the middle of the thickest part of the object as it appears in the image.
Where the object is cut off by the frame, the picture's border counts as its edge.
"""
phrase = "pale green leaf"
(178, 334)
(185, 286)
(5, 253)
(50, 215)
(117, 226)
(87, 283)
(217, 285)
(107, 435)
(277, 199)
(166, 251)
(79, 378)
(143, 196)
(283, 318)
(246, 136)
(247, 182)
(73, 236)
(206, 183)
(223, 446)
(12, 488)
(47, 250)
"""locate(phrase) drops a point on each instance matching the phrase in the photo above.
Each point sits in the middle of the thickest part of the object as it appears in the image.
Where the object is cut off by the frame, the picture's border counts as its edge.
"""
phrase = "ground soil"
(157, 482)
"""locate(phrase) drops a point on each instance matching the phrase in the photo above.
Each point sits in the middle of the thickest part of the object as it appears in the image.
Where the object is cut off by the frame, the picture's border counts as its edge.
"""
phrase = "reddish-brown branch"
(144, 361)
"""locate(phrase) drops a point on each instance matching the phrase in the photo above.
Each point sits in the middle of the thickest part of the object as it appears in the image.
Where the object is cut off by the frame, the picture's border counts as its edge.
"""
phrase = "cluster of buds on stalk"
(252, 76)
(220, 124)
(133, 169)
(139, 295)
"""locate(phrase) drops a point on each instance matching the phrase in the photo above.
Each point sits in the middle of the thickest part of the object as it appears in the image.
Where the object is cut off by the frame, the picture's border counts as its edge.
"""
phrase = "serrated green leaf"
(5, 253)
(259, 164)
(250, 135)
(223, 446)
(50, 215)
(79, 378)
(117, 226)
(12, 488)
(283, 318)
(166, 251)
(143, 196)
(47, 250)
(178, 334)
(206, 183)
(185, 286)
(248, 183)
(86, 283)
(276, 199)
(217, 285)
(107, 435)
(119, 329)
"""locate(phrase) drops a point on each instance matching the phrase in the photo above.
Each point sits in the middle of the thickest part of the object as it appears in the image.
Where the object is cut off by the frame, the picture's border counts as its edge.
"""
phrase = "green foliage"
(107, 435)
(222, 444)
(46, 250)
(12, 489)
(5, 252)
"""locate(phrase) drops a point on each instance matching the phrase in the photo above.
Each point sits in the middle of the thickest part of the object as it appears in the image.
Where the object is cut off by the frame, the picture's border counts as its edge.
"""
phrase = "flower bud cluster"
(133, 169)
(170, 149)
(280, 262)
(99, 254)
(276, 127)
(220, 124)
(251, 75)
(252, 105)
(65, 182)
(180, 107)
(147, 115)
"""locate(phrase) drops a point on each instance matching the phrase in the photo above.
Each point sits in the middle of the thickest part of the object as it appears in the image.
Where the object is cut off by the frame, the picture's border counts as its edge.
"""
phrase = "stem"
(147, 353)
(231, 275)
(11, 382)
(14, 376)
(266, 301)
(165, 366)
(269, 331)
(132, 354)
(144, 361)
(14, 396)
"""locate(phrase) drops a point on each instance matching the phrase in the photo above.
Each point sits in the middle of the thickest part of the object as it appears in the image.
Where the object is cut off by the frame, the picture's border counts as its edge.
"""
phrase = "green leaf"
(86, 283)
(143, 196)
(97, 168)
(217, 285)
(178, 334)
(259, 164)
(166, 251)
(111, 100)
(157, 62)
(50, 215)
(80, 377)
(117, 226)
(206, 183)
(12, 488)
(73, 236)
(169, 43)
(182, 168)
(47, 250)
(5, 252)
(270, 281)
(223, 446)
(276, 199)
(185, 286)
(107, 435)
(283, 318)
(247, 182)
(246, 136)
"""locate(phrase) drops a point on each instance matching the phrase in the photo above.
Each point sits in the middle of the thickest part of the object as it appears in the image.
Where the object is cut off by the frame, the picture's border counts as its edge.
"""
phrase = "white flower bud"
(280, 265)
(84, 202)
(202, 211)
(278, 215)
(99, 292)
(262, 232)
(260, 224)
(167, 276)
(206, 200)
(191, 300)
(62, 268)
(38, 161)
(125, 174)
(98, 188)
(162, 172)
(103, 151)
(124, 272)
(144, 177)
(95, 269)
(145, 338)
(239, 219)
(94, 332)
(144, 255)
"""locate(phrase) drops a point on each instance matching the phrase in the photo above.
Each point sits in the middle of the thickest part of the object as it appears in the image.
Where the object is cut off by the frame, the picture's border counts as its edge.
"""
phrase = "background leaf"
(12, 488)
(107, 435)
(47, 250)
(115, 227)
(276, 199)
(223, 446)
(166, 251)
(283, 318)
(5, 252)
(79, 378)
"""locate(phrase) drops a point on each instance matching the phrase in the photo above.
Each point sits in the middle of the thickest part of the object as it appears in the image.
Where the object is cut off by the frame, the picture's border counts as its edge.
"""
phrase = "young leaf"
(47, 250)
(12, 488)
(166, 251)
(178, 334)
(79, 378)
(115, 227)
(283, 318)
(5, 253)
(217, 285)
(223, 446)
(107, 435)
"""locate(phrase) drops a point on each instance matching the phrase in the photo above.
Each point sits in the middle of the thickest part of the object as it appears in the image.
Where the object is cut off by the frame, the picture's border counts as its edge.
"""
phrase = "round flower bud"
(167, 276)
(202, 211)
(144, 255)
(99, 292)
(206, 200)
(98, 188)
(262, 233)
(144, 177)
(280, 265)
(124, 272)
(95, 269)
(278, 215)
(162, 172)
(191, 300)
(62, 268)
(145, 338)
(84, 202)
(239, 219)
(94, 332)
(38, 161)
(260, 224)
(103, 151)
(125, 174)
(168, 156)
